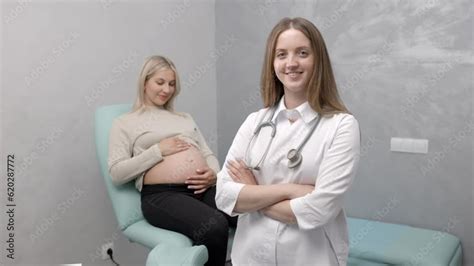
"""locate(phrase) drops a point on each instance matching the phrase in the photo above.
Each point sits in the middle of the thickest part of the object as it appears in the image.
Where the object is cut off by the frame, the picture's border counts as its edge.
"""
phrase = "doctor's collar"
(306, 112)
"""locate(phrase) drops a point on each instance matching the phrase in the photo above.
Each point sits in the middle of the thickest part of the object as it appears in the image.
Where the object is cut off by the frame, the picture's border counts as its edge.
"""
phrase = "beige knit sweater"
(134, 139)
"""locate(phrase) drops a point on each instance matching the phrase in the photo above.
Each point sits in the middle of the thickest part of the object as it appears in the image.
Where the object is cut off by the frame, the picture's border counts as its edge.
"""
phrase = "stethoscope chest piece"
(294, 155)
(294, 158)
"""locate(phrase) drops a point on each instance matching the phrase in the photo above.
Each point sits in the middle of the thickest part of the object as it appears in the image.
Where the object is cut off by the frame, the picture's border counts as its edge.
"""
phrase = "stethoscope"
(294, 155)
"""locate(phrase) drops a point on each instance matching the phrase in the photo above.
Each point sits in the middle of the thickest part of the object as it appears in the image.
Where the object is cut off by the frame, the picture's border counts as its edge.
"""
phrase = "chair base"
(171, 255)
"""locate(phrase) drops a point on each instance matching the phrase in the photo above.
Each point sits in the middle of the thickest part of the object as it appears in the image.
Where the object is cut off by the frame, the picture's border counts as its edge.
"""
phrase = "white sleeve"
(227, 191)
(335, 175)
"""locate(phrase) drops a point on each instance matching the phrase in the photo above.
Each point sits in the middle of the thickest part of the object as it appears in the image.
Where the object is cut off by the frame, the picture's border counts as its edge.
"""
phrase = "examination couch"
(376, 243)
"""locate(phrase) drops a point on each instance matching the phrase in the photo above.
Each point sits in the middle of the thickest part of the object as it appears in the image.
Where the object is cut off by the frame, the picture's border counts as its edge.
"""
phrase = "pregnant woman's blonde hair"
(152, 65)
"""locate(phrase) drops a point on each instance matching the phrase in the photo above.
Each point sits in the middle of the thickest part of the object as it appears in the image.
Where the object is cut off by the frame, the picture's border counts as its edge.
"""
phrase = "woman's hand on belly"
(202, 180)
(176, 168)
(173, 145)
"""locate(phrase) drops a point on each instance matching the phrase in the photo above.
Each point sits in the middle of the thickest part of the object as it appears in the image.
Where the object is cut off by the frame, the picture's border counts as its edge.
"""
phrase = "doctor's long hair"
(321, 89)
(152, 65)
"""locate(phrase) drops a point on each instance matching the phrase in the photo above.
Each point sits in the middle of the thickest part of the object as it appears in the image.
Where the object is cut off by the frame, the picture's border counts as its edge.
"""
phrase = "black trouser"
(175, 207)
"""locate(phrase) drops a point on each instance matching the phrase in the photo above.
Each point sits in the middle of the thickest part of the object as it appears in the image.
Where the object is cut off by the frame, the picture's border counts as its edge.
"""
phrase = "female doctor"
(291, 163)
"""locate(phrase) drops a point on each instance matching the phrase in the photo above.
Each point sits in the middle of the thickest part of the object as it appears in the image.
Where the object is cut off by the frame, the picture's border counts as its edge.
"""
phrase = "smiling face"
(160, 87)
(293, 62)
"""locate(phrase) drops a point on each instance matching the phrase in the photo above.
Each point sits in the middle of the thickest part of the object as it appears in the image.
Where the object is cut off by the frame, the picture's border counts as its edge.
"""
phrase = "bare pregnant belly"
(176, 168)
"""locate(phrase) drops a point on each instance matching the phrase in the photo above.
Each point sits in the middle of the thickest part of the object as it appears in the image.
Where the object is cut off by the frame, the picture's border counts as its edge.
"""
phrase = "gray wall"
(60, 62)
(404, 68)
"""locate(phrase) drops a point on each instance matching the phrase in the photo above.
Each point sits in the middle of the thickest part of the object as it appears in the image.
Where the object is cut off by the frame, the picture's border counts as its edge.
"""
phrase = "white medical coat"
(330, 160)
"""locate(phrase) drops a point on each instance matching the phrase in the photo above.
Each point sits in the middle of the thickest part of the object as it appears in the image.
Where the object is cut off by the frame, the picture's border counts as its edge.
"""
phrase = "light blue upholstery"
(361, 262)
(168, 248)
(190, 256)
(377, 243)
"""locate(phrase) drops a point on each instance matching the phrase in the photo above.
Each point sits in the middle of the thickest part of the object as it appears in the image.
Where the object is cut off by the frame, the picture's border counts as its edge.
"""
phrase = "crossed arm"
(272, 200)
(313, 207)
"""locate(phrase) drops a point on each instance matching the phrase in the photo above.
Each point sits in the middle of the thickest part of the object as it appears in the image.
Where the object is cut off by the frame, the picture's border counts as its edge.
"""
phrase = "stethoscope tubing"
(294, 155)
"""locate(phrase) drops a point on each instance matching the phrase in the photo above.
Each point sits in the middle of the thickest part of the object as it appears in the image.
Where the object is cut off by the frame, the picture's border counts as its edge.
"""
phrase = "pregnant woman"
(167, 156)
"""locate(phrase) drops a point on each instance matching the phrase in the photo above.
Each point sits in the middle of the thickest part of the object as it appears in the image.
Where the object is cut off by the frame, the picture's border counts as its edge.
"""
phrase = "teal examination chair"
(167, 247)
